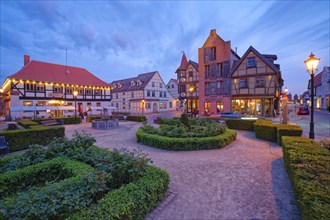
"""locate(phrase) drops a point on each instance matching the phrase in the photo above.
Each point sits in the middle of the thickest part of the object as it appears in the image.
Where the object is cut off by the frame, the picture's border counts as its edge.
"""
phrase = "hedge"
(27, 123)
(308, 167)
(266, 130)
(132, 201)
(21, 139)
(186, 144)
(136, 118)
(238, 124)
(91, 118)
(168, 121)
(26, 177)
(66, 120)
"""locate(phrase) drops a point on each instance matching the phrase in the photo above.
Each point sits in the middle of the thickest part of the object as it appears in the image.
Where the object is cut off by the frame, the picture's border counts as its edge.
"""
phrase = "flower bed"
(111, 172)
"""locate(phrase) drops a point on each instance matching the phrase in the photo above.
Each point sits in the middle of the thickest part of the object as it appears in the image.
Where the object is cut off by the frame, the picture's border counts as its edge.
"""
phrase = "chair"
(4, 146)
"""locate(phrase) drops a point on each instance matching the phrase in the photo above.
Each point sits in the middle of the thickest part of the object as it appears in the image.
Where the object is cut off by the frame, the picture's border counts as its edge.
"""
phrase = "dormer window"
(139, 82)
(132, 83)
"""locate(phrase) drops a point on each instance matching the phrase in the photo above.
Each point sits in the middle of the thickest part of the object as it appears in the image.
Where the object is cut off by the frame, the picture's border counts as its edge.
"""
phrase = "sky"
(121, 39)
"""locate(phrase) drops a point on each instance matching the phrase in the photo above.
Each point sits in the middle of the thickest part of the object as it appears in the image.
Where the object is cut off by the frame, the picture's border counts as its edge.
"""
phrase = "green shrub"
(51, 171)
(91, 118)
(308, 166)
(266, 130)
(239, 124)
(325, 142)
(27, 123)
(185, 144)
(132, 201)
(66, 120)
(184, 119)
(136, 118)
(169, 121)
(21, 139)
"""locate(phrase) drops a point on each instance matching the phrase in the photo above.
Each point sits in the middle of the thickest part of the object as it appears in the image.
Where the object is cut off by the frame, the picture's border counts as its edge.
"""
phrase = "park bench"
(49, 122)
(4, 146)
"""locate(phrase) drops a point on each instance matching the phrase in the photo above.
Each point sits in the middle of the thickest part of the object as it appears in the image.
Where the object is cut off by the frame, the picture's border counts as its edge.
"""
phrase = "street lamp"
(75, 93)
(191, 90)
(311, 64)
(142, 107)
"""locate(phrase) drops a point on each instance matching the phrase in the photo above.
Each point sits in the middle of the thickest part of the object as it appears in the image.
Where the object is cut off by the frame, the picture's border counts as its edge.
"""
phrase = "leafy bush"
(169, 121)
(66, 120)
(136, 118)
(21, 139)
(132, 201)
(184, 119)
(49, 171)
(238, 124)
(325, 142)
(308, 166)
(287, 130)
(185, 144)
(91, 118)
(27, 123)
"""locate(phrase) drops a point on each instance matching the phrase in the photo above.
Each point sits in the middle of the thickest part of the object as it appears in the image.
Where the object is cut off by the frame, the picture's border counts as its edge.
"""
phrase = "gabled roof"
(56, 73)
(143, 78)
(172, 80)
(264, 59)
(183, 64)
(194, 64)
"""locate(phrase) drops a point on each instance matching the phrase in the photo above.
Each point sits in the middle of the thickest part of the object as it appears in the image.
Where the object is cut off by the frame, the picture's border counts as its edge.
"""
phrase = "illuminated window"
(98, 104)
(29, 87)
(97, 92)
(58, 89)
(89, 92)
(68, 90)
(27, 103)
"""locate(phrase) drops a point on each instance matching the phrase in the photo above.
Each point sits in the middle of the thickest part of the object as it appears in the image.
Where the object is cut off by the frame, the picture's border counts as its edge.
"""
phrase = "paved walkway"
(245, 180)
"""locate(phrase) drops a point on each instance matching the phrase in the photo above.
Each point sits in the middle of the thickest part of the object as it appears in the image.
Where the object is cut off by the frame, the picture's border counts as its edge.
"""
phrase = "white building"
(141, 95)
(172, 87)
(325, 93)
(49, 87)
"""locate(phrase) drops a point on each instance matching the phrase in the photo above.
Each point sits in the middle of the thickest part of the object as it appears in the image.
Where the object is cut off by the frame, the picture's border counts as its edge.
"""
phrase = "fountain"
(106, 122)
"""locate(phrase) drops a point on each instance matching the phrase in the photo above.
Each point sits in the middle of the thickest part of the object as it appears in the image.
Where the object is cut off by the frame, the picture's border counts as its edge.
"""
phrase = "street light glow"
(311, 63)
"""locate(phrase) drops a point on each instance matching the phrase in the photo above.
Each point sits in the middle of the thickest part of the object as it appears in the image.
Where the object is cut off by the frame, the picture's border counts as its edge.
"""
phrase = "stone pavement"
(244, 180)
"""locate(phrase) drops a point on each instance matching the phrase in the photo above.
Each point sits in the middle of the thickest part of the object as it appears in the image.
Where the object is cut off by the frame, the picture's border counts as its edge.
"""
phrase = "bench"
(49, 122)
(4, 146)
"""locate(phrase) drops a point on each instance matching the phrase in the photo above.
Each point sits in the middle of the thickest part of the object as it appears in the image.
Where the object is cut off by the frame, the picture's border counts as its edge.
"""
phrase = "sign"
(56, 94)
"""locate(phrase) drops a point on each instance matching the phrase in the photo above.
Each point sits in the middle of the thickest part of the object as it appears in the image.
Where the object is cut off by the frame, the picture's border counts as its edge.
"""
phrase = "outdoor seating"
(4, 146)
(49, 122)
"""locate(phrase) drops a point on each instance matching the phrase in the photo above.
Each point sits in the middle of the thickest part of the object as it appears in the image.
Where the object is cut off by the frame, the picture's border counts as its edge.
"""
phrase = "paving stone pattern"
(244, 180)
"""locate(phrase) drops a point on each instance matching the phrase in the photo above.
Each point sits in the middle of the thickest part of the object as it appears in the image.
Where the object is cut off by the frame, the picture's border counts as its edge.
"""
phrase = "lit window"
(27, 103)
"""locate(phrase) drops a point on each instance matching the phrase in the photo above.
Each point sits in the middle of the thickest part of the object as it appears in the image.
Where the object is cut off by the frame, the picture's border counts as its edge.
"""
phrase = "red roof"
(55, 73)
(183, 64)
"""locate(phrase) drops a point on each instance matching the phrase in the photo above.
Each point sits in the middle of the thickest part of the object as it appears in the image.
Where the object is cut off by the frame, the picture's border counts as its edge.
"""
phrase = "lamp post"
(311, 64)
(75, 93)
(191, 91)
(285, 106)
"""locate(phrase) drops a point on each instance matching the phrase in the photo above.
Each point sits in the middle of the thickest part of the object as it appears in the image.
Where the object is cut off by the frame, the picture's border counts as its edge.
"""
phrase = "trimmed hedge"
(266, 130)
(136, 118)
(132, 201)
(21, 139)
(169, 121)
(66, 120)
(91, 118)
(27, 123)
(238, 124)
(308, 167)
(56, 169)
(186, 144)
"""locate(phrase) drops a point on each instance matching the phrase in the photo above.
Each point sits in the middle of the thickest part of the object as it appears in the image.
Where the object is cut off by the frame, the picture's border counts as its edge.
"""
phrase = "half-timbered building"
(256, 84)
(46, 84)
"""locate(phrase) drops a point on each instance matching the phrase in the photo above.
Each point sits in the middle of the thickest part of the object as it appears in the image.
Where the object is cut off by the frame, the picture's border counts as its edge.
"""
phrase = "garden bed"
(72, 177)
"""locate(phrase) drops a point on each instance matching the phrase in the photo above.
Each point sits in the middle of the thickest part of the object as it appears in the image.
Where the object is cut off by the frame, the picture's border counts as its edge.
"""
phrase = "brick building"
(215, 59)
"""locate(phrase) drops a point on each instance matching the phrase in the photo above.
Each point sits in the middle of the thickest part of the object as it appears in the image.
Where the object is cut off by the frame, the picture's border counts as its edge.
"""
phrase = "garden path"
(244, 180)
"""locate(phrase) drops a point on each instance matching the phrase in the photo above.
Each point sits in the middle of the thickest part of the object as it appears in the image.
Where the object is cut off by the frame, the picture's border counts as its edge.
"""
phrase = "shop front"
(257, 107)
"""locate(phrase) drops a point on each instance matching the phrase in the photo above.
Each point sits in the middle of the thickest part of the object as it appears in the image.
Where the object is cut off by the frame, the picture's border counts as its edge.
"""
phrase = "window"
(160, 105)
(116, 95)
(123, 93)
(168, 87)
(243, 83)
(89, 104)
(260, 82)
(210, 88)
(81, 91)
(170, 104)
(68, 90)
(117, 105)
(164, 94)
(219, 107)
(207, 71)
(123, 99)
(160, 94)
(129, 105)
(165, 105)
(173, 86)
(207, 107)
(149, 105)
(98, 104)
(213, 53)
(27, 103)
(89, 91)
(152, 84)
(191, 74)
(148, 93)
(123, 103)
(58, 89)
(97, 92)
(42, 103)
(251, 62)
(29, 87)
(153, 93)
(132, 94)
(219, 69)
(160, 85)
(40, 88)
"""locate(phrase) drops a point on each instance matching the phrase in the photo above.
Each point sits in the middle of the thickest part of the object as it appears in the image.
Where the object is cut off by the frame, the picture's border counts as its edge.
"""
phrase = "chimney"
(213, 32)
(26, 59)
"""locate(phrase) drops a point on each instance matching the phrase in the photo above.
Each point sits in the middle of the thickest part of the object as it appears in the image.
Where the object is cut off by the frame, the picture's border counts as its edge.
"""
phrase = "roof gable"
(183, 64)
(55, 73)
(251, 49)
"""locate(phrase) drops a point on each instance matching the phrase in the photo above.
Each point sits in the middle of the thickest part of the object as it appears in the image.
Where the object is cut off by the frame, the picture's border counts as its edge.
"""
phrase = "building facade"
(256, 84)
(52, 85)
(146, 93)
(215, 59)
(172, 87)
(188, 87)
(325, 99)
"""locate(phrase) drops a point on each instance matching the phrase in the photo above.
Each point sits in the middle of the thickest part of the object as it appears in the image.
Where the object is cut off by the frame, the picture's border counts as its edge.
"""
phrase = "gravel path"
(245, 180)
